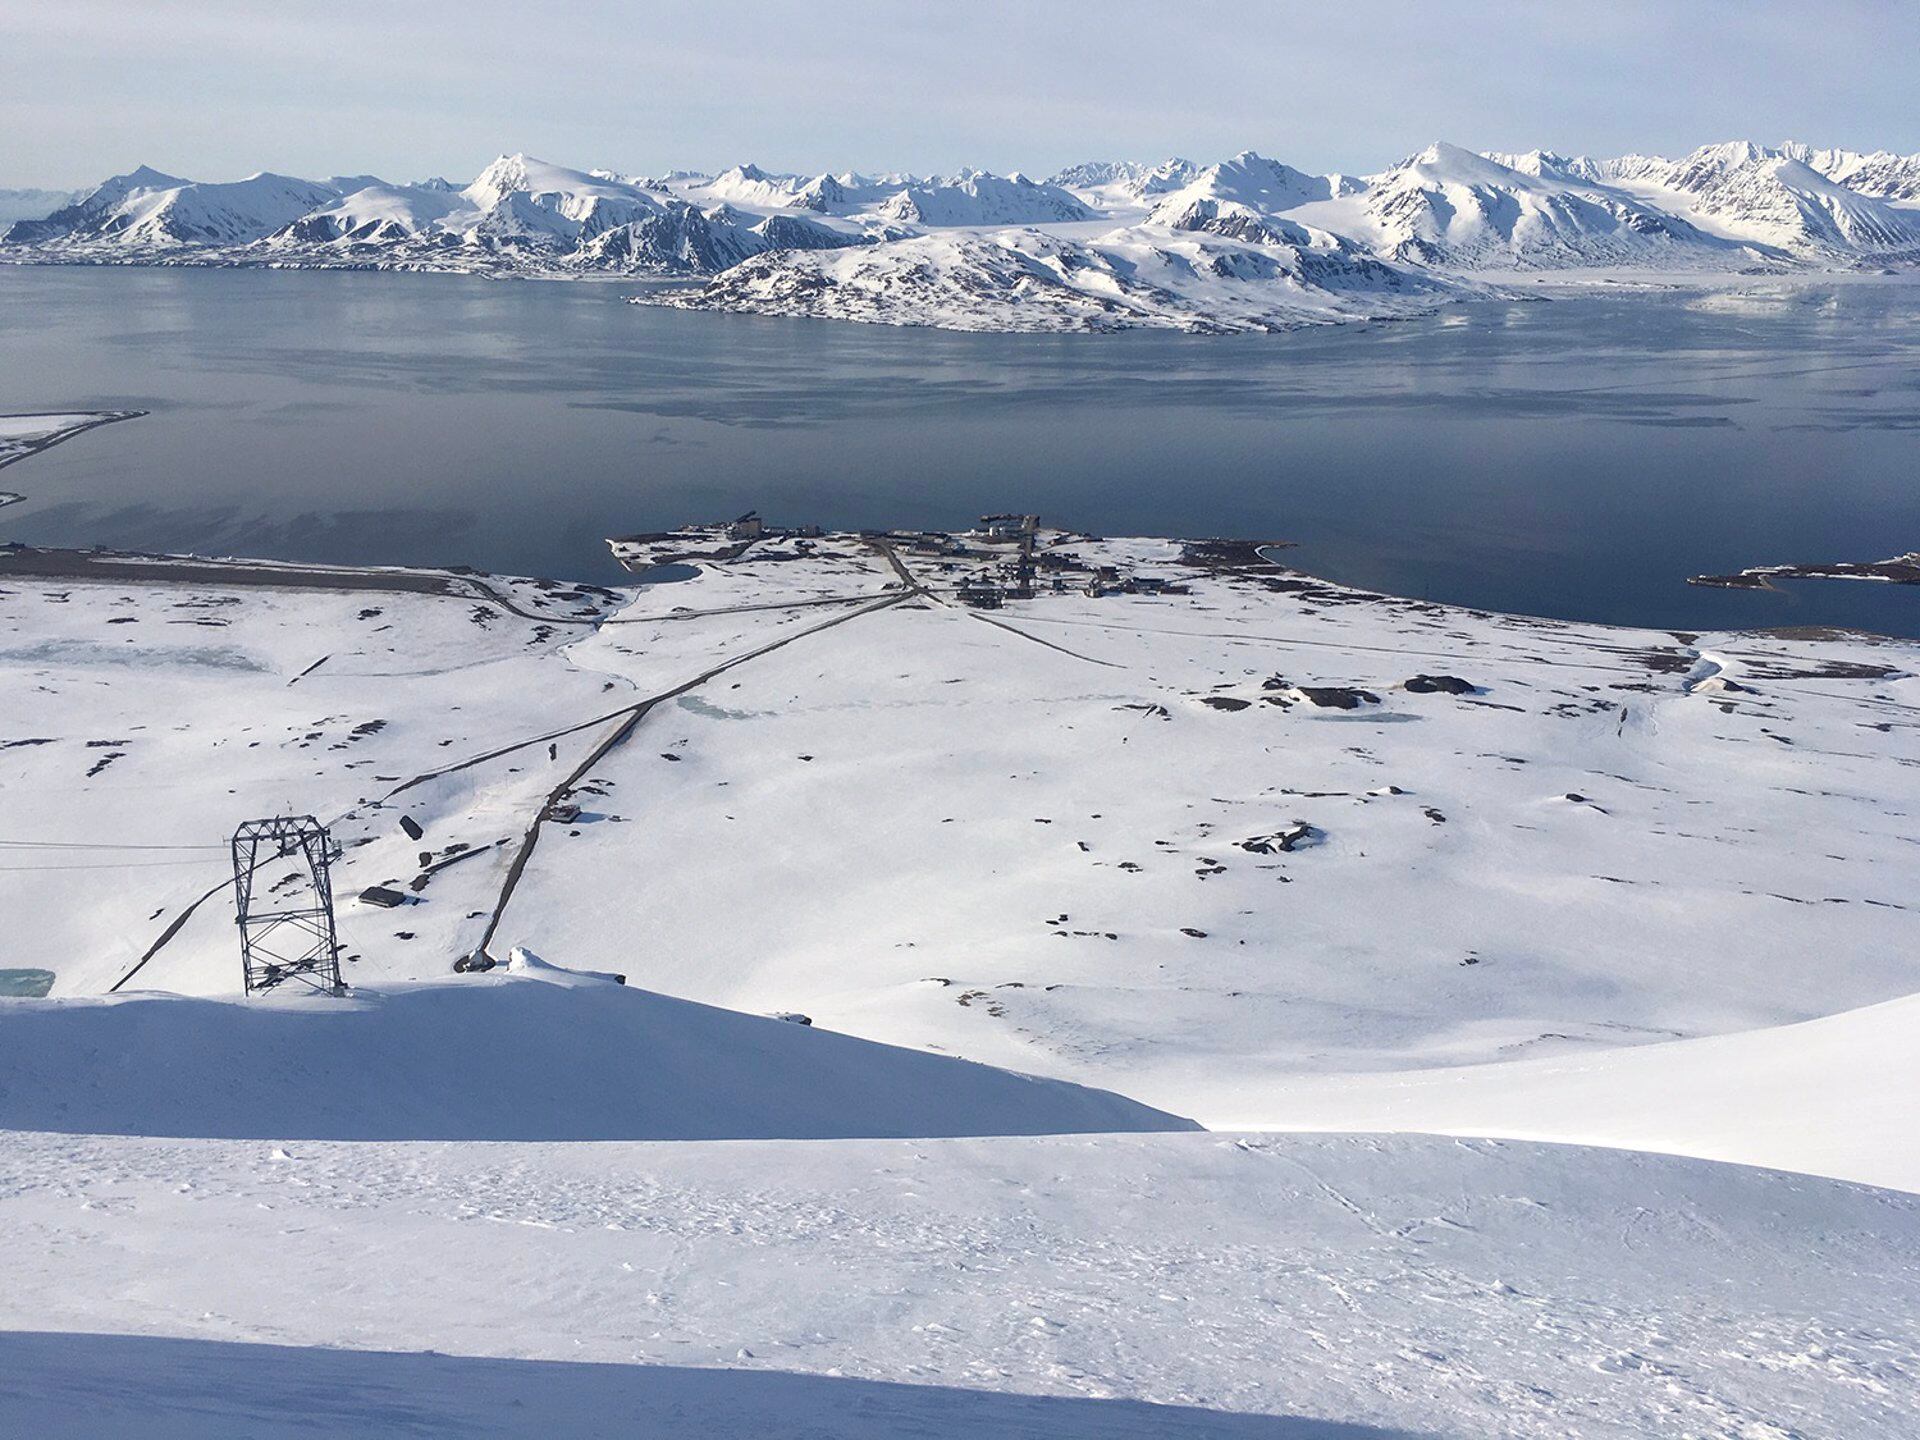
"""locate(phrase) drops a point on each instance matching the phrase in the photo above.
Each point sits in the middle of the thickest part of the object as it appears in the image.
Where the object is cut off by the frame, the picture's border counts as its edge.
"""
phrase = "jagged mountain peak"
(1730, 153)
(1450, 206)
(1138, 177)
(750, 185)
(1776, 201)
(564, 191)
(1710, 164)
(1548, 165)
(1252, 162)
(982, 198)
(504, 167)
(1881, 174)
(144, 177)
(1249, 179)
(521, 171)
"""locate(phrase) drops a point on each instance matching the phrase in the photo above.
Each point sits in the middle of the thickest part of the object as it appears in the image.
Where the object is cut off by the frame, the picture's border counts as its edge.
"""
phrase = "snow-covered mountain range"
(1249, 243)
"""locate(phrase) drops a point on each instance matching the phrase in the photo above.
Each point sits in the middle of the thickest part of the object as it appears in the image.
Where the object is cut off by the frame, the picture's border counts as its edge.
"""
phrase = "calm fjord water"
(1577, 458)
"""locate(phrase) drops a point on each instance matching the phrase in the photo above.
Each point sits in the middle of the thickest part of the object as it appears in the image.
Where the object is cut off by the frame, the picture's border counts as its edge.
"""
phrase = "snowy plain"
(1271, 853)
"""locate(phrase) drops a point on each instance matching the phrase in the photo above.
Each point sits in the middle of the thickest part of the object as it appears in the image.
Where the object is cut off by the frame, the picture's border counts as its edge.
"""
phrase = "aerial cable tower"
(286, 921)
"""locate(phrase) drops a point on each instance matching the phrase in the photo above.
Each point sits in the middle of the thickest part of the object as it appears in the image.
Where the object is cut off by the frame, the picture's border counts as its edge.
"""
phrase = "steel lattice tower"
(287, 935)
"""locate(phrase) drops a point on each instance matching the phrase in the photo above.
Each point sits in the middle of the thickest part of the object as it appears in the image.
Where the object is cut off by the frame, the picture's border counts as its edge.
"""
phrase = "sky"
(217, 89)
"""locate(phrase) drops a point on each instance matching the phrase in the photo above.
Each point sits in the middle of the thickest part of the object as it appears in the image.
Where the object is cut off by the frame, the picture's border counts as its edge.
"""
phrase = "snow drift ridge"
(537, 1055)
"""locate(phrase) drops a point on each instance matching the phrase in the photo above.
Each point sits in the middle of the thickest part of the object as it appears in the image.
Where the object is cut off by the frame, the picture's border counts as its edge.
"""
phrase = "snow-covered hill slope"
(1140, 1287)
(375, 215)
(1307, 855)
(520, 215)
(1122, 184)
(1826, 1097)
(1882, 173)
(1092, 250)
(526, 1053)
(1768, 198)
(93, 214)
(1450, 208)
(977, 198)
(155, 214)
(1215, 274)
(1139, 841)
(234, 658)
(1258, 183)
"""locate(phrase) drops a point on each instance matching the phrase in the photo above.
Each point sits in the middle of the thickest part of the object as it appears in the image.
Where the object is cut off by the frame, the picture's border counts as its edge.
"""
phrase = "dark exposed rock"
(1293, 837)
(1336, 697)
(1440, 685)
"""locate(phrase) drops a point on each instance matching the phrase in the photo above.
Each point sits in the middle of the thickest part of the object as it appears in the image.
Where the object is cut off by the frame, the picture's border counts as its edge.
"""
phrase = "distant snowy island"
(1247, 244)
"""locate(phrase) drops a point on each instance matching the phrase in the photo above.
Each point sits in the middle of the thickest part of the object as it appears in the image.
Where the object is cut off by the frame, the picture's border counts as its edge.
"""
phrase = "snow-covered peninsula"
(1084, 840)
(1249, 243)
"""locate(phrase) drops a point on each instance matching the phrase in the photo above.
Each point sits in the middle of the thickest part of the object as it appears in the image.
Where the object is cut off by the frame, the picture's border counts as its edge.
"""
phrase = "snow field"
(1206, 851)
(1390, 1286)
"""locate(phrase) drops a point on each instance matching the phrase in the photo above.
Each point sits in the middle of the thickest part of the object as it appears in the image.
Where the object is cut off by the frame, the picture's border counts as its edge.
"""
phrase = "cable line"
(94, 845)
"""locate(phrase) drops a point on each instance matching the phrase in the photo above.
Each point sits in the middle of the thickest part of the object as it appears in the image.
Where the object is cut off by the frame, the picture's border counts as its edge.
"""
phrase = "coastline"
(683, 291)
(100, 565)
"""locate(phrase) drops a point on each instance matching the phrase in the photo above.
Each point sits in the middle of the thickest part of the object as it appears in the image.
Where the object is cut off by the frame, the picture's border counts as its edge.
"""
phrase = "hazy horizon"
(225, 88)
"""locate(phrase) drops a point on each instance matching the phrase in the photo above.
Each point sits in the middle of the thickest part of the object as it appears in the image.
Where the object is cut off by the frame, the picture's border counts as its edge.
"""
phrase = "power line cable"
(95, 845)
(106, 865)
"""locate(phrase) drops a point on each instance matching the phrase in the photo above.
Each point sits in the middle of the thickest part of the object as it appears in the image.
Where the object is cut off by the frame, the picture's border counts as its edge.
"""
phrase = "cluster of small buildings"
(751, 527)
(639, 553)
(1107, 580)
(1021, 579)
(1003, 552)
(1018, 528)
